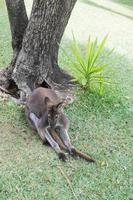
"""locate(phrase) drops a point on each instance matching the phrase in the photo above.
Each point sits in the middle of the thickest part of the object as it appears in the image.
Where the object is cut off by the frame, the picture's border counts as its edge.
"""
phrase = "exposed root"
(7, 85)
(4, 78)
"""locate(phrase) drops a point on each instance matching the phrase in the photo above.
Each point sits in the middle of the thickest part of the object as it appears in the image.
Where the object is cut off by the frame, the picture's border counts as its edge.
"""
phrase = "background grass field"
(100, 126)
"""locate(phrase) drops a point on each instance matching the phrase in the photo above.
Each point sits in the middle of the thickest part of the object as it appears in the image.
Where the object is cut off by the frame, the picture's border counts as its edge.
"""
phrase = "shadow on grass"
(128, 3)
(106, 8)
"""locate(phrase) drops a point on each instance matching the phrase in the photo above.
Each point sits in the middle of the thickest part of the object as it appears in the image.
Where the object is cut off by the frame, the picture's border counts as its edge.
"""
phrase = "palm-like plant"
(89, 68)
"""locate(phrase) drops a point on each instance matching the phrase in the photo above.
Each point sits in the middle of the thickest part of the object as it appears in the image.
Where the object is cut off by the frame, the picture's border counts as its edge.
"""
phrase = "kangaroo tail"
(74, 151)
(83, 155)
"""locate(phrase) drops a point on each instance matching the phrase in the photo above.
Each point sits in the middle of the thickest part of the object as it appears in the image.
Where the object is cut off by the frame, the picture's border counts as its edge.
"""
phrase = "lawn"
(128, 3)
(100, 126)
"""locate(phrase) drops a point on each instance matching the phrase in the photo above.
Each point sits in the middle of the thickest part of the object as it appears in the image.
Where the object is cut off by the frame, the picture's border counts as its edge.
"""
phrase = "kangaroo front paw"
(62, 156)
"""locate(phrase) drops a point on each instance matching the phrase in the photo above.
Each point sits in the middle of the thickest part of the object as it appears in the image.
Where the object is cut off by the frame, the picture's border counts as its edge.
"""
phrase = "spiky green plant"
(88, 68)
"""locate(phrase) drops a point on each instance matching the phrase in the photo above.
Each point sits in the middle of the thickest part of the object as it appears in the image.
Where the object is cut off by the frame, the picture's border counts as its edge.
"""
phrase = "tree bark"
(37, 60)
(18, 22)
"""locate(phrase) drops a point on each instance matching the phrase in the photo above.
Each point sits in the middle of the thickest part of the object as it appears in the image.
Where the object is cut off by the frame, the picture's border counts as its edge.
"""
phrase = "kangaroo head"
(53, 112)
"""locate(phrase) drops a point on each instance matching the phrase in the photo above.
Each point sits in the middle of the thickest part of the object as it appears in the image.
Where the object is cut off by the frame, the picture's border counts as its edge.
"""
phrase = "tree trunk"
(18, 22)
(37, 61)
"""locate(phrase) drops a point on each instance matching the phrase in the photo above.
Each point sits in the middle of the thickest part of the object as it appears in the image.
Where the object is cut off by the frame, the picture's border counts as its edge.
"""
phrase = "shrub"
(88, 68)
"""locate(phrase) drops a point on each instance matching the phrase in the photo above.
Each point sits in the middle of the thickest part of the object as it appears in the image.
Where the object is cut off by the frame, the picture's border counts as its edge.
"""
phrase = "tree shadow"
(128, 3)
(106, 8)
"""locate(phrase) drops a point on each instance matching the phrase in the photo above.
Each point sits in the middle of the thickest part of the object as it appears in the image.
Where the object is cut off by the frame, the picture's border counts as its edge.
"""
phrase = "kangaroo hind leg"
(45, 135)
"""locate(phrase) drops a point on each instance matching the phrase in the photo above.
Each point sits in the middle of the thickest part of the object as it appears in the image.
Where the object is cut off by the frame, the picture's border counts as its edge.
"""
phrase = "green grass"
(124, 2)
(100, 126)
(5, 43)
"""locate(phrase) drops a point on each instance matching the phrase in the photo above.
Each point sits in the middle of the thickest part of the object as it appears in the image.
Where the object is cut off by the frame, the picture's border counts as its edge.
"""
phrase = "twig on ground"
(68, 181)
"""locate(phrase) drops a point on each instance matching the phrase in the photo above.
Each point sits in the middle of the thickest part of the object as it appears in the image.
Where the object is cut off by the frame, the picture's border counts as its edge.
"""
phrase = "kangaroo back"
(36, 102)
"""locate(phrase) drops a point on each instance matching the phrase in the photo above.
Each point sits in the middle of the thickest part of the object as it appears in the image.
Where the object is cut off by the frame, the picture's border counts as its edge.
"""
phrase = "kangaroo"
(44, 112)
